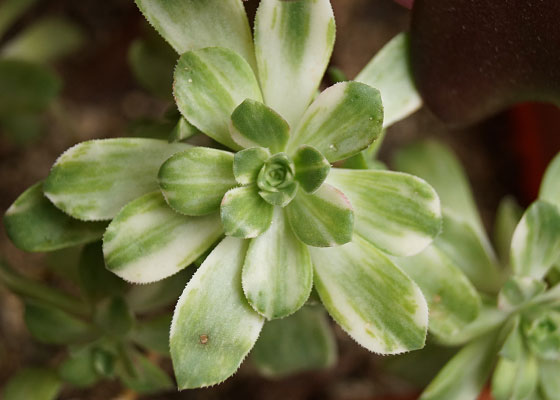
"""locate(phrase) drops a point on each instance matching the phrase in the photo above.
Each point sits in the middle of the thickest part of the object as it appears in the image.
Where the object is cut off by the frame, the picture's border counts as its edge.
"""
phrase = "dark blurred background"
(506, 154)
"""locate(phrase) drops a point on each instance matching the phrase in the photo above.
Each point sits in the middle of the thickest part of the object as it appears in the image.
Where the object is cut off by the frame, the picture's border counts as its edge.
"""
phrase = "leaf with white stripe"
(389, 72)
(195, 181)
(379, 306)
(192, 24)
(213, 327)
(452, 299)
(550, 186)
(248, 163)
(301, 342)
(244, 213)
(277, 274)
(33, 223)
(148, 241)
(436, 164)
(535, 246)
(94, 180)
(399, 213)
(515, 380)
(293, 44)
(209, 85)
(312, 168)
(323, 219)
(255, 125)
(549, 371)
(344, 120)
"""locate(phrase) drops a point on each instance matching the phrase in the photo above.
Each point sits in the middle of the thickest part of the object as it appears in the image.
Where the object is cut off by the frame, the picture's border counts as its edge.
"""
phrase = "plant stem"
(28, 288)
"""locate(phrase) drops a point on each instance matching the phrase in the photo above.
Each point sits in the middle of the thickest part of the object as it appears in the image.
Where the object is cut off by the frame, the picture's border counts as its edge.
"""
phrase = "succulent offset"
(291, 221)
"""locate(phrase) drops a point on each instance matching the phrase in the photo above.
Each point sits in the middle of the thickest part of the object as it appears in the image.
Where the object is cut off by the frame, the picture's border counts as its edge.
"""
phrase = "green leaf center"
(276, 180)
(543, 335)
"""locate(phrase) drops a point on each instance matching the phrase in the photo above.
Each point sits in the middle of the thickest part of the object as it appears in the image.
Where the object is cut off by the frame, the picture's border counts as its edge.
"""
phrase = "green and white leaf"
(248, 163)
(293, 44)
(549, 371)
(209, 85)
(191, 24)
(323, 219)
(195, 181)
(46, 41)
(436, 164)
(255, 125)
(389, 71)
(182, 131)
(453, 302)
(461, 243)
(244, 213)
(312, 168)
(515, 380)
(213, 327)
(535, 246)
(342, 121)
(398, 213)
(300, 342)
(51, 325)
(464, 376)
(278, 273)
(94, 180)
(147, 241)
(550, 186)
(519, 290)
(32, 383)
(26, 88)
(507, 217)
(379, 306)
(33, 223)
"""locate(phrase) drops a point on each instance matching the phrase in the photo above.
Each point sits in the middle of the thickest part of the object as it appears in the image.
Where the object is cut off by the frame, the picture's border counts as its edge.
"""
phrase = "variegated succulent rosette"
(282, 220)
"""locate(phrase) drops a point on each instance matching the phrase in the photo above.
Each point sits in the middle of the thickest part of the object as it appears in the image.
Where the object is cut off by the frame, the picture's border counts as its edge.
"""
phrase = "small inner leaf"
(281, 198)
(322, 219)
(254, 124)
(244, 213)
(247, 164)
(312, 168)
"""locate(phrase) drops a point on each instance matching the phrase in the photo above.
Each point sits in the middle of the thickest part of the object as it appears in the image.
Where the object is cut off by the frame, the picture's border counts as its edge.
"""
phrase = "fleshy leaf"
(255, 125)
(152, 62)
(115, 317)
(213, 327)
(277, 274)
(45, 41)
(33, 223)
(94, 180)
(195, 181)
(398, 213)
(440, 168)
(247, 164)
(542, 334)
(192, 24)
(293, 44)
(452, 300)
(182, 131)
(147, 241)
(78, 369)
(461, 243)
(389, 72)
(146, 377)
(281, 198)
(507, 217)
(550, 186)
(312, 168)
(209, 85)
(535, 245)
(514, 348)
(244, 213)
(379, 306)
(549, 371)
(342, 121)
(32, 383)
(518, 291)
(300, 342)
(26, 87)
(51, 325)
(322, 219)
(159, 295)
(153, 334)
(515, 380)
(465, 375)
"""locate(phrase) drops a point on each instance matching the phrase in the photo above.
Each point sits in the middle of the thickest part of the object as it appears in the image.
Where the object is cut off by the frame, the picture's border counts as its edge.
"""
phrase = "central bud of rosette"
(543, 334)
(276, 180)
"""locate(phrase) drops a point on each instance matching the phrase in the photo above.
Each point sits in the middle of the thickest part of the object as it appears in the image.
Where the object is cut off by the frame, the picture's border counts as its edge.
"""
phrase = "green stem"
(30, 289)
